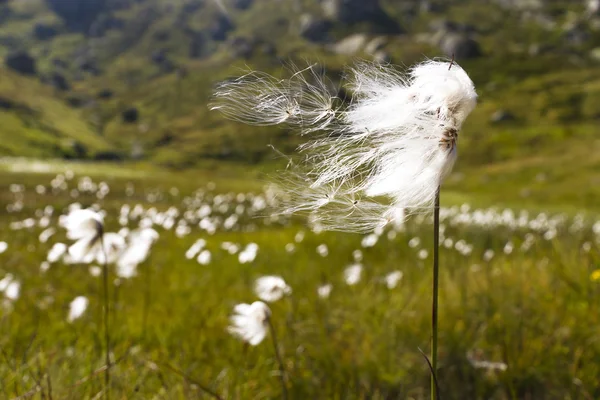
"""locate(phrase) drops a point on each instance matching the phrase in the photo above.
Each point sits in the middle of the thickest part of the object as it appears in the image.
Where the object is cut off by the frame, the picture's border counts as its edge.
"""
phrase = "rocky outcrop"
(314, 29)
(130, 115)
(78, 15)
(44, 32)
(220, 28)
(242, 4)
(460, 46)
(354, 11)
(21, 62)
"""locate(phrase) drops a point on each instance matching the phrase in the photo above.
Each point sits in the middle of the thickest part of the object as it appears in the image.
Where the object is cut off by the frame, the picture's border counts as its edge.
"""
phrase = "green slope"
(532, 67)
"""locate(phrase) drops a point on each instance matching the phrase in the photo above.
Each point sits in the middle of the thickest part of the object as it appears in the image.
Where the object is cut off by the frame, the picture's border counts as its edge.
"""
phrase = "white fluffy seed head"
(389, 149)
(77, 307)
(250, 322)
(271, 288)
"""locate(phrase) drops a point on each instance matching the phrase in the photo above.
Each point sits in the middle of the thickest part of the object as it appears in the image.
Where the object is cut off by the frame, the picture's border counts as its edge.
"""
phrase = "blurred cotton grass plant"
(86, 227)
(251, 323)
(386, 150)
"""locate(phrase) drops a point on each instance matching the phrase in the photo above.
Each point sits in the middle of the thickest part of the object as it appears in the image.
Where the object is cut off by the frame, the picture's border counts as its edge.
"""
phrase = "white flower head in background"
(250, 322)
(87, 228)
(352, 274)
(324, 290)
(10, 287)
(271, 288)
(392, 279)
(77, 307)
(396, 139)
(56, 252)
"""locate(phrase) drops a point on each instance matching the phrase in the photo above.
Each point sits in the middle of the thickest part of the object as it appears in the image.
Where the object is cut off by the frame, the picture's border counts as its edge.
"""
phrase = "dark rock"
(165, 139)
(77, 15)
(105, 94)
(502, 116)
(11, 42)
(57, 62)
(196, 48)
(44, 32)
(427, 6)
(161, 36)
(159, 56)
(444, 25)
(220, 28)
(576, 36)
(21, 62)
(161, 59)
(75, 101)
(354, 11)
(79, 149)
(59, 81)
(242, 4)
(103, 24)
(242, 47)
(85, 64)
(314, 29)
(200, 46)
(460, 46)
(6, 104)
(109, 156)
(130, 115)
(192, 7)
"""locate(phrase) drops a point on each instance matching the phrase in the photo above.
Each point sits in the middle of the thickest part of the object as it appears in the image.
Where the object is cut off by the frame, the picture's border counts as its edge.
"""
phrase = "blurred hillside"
(130, 79)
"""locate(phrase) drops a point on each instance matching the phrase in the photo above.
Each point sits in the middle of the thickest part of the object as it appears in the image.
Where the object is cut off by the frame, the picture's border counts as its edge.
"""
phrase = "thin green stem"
(106, 308)
(284, 393)
(434, 305)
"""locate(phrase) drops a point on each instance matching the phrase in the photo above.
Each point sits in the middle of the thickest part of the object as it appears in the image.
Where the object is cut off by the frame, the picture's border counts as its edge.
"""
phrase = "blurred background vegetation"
(118, 90)
(129, 80)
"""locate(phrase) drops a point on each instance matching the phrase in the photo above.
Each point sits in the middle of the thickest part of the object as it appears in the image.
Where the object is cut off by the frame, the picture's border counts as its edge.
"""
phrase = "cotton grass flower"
(396, 139)
(250, 322)
(392, 279)
(271, 288)
(204, 257)
(4, 282)
(56, 252)
(352, 274)
(323, 250)
(86, 227)
(77, 307)
(13, 290)
(324, 291)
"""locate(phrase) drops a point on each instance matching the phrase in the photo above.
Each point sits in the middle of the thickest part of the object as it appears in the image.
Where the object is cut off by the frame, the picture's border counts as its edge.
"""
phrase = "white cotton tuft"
(352, 274)
(77, 307)
(250, 322)
(86, 227)
(389, 149)
(271, 288)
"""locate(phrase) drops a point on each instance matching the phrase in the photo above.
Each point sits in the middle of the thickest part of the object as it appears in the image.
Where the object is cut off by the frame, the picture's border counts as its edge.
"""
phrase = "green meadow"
(518, 299)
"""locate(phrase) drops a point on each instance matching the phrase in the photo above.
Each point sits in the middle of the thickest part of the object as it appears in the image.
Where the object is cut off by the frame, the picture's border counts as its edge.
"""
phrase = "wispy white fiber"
(383, 154)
